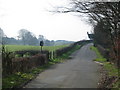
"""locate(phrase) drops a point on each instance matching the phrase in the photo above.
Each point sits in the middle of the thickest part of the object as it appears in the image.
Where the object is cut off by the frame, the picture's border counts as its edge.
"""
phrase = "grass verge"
(111, 69)
(99, 58)
(19, 79)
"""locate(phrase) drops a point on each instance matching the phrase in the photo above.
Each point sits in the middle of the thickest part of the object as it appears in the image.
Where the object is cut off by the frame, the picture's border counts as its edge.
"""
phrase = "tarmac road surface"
(79, 72)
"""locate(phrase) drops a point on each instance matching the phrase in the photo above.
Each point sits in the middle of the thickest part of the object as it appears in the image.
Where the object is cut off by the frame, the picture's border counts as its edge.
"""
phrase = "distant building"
(91, 36)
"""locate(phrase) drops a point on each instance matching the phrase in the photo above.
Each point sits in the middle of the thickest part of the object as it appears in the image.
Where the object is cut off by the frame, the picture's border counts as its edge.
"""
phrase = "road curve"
(78, 72)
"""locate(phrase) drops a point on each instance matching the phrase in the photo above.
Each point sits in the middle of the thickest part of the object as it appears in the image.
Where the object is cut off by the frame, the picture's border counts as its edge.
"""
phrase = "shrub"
(30, 52)
(24, 64)
(61, 51)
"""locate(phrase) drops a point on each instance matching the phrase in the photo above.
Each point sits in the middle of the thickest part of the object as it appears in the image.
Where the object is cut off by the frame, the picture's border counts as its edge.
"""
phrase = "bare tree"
(104, 15)
(27, 37)
(22, 35)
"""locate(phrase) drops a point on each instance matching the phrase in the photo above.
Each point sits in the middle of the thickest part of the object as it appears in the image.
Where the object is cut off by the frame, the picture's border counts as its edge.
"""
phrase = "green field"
(12, 48)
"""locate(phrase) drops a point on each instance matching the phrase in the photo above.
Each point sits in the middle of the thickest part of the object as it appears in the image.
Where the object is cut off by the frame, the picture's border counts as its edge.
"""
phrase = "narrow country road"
(79, 72)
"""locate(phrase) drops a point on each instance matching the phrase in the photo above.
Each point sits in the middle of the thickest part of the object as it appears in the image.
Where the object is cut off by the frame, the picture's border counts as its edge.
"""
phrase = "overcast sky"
(33, 16)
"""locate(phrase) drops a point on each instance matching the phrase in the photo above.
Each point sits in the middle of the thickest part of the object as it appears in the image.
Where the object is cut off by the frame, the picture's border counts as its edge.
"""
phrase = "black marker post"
(41, 44)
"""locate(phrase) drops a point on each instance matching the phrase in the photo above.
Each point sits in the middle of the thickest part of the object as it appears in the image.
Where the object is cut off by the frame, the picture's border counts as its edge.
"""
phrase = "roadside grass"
(66, 56)
(111, 69)
(99, 58)
(19, 79)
